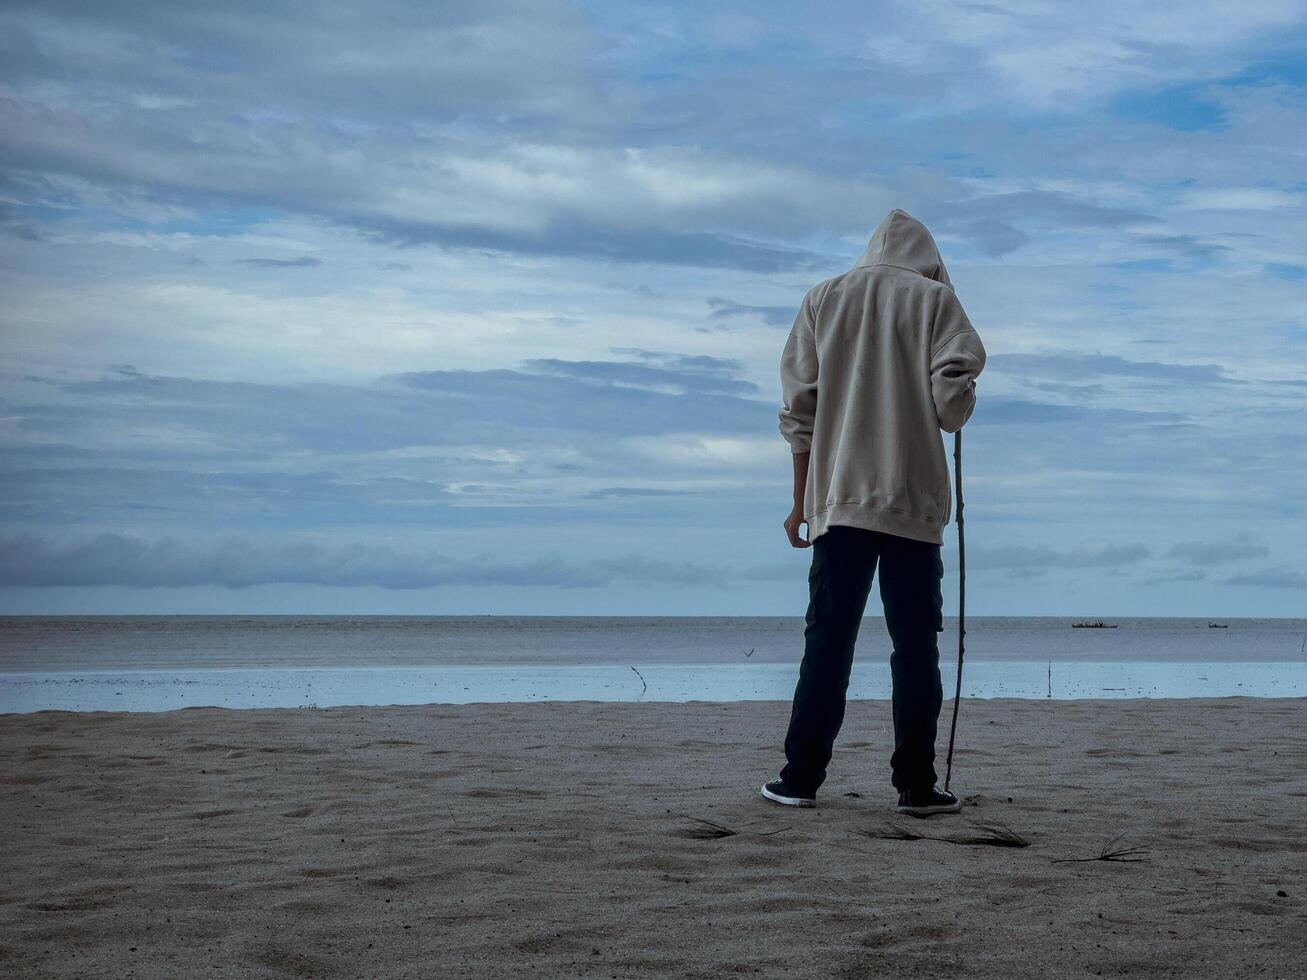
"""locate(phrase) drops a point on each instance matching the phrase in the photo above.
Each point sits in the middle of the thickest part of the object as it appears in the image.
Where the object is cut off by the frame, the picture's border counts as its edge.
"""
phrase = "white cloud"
(1052, 56)
(708, 453)
(1240, 199)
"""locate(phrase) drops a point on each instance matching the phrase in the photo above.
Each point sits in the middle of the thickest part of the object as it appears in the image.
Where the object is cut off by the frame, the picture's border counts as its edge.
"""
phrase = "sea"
(163, 663)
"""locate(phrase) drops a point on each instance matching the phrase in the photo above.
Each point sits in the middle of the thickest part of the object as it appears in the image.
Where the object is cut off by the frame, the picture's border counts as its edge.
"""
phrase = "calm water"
(163, 662)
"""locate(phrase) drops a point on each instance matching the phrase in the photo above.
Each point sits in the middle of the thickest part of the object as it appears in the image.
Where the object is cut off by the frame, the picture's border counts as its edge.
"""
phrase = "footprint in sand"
(209, 814)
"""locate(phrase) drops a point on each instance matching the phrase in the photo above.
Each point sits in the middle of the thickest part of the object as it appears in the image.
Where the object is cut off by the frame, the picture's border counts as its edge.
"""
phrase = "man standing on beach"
(880, 359)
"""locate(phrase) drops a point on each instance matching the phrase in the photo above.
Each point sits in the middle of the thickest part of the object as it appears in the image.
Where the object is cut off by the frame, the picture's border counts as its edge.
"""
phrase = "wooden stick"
(962, 602)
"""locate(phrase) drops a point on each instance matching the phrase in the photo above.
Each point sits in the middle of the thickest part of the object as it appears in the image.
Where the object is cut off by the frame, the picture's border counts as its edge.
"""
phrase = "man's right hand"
(792, 528)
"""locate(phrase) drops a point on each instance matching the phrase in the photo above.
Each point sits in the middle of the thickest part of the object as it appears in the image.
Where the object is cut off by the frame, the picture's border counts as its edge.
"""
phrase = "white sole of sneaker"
(786, 800)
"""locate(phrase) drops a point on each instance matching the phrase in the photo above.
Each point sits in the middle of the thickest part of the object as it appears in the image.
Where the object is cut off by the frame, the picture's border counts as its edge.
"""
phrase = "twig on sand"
(988, 834)
(642, 681)
(1112, 852)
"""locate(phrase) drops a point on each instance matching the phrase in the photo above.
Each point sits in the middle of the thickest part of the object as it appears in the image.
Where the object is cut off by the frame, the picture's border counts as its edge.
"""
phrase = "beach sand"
(557, 840)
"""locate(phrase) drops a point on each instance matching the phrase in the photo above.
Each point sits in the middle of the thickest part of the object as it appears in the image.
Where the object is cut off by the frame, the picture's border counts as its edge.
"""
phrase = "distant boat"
(1218, 626)
(1097, 625)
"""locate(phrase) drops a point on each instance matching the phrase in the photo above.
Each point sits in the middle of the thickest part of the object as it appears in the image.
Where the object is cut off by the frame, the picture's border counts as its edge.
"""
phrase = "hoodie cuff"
(799, 444)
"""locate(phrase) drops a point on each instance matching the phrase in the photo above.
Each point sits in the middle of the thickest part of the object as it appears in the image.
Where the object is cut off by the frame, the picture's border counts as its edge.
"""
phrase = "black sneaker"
(924, 802)
(779, 791)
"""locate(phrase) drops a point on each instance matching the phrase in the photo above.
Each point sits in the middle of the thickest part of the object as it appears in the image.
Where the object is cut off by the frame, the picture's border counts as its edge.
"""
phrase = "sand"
(557, 840)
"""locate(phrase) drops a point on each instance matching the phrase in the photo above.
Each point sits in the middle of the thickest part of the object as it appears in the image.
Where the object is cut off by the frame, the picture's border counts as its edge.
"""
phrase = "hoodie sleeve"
(799, 382)
(957, 357)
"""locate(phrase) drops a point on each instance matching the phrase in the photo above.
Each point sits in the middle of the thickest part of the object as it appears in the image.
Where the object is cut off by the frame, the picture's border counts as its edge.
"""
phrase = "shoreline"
(164, 689)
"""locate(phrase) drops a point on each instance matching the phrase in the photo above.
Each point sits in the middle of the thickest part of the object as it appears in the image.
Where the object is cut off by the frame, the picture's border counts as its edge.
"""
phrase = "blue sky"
(477, 307)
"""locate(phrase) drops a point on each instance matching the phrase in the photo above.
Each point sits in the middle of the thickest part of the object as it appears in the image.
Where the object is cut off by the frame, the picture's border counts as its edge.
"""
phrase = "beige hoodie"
(880, 358)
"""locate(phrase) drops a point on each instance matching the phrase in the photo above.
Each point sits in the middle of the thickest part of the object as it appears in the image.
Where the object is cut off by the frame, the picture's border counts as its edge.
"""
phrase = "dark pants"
(843, 565)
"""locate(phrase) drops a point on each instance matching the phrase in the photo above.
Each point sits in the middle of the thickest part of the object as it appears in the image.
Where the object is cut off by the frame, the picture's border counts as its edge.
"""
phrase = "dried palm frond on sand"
(1111, 851)
(711, 830)
(987, 834)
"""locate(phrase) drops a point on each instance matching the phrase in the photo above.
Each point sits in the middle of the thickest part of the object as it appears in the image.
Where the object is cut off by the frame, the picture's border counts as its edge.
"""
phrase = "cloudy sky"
(477, 307)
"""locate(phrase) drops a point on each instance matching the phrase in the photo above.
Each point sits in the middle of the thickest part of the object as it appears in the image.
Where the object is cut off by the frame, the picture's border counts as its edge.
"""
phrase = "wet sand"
(560, 839)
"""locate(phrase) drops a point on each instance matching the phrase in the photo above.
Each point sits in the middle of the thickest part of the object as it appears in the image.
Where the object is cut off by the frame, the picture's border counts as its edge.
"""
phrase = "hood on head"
(904, 241)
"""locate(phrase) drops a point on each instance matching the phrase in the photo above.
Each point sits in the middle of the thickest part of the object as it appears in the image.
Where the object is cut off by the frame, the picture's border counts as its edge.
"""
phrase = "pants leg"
(911, 573)
(839, 581)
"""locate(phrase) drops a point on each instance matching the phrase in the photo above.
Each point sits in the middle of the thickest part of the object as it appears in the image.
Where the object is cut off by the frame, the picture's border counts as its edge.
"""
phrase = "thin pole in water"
(962, 602)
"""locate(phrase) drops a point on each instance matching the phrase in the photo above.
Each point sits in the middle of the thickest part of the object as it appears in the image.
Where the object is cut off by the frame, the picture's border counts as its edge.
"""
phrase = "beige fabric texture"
(879, 360)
